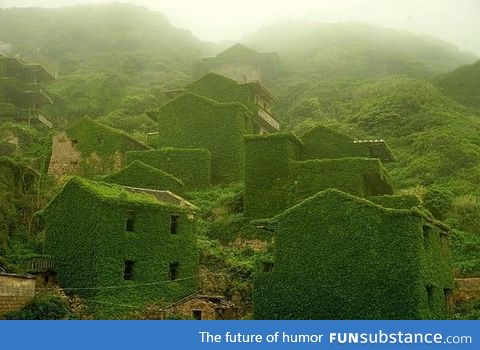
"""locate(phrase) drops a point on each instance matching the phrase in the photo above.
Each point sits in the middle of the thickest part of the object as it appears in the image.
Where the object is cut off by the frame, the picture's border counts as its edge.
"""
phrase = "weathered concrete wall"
(239, 71)
(15, 291)
(65, 158)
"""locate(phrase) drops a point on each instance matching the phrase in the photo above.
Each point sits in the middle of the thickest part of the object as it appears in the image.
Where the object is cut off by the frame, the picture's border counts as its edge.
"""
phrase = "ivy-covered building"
(242, 64)
(190, 121)
(252, 94)
(89, 148)
(22, 94)
(341, 257)
(113, 246)
(282, 170)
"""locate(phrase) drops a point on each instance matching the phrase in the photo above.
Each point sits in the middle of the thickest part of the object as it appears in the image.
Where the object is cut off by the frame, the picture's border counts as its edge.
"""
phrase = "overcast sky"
(457, 21)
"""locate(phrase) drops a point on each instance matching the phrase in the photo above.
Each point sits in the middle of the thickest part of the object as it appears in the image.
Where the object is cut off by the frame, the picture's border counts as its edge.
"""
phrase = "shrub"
(466, 211)
(42, 307)
(438, 200)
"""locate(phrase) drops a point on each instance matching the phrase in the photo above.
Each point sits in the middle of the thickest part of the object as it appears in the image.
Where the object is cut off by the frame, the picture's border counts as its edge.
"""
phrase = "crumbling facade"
(89, 148)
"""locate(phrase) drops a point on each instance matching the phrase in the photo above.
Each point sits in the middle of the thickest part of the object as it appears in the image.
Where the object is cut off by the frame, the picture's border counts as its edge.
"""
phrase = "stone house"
(115, 245)
(242, 64)
(341, 257)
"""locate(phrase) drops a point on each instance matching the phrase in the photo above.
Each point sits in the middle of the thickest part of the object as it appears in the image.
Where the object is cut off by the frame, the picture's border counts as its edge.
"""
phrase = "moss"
(344, 251)
(86, 233)
(192, 121)
(138, 174)
(191, 166)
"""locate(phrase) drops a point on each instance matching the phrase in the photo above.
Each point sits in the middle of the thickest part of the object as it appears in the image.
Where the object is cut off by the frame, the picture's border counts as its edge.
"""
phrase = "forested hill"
(106, 56)
(462, 84)
(356, 50)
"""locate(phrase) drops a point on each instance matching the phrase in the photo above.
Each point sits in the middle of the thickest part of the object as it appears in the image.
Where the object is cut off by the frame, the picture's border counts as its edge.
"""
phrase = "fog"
(456, 21)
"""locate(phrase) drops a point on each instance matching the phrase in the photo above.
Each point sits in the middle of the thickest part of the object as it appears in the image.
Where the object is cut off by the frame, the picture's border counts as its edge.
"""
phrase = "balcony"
(39, 264)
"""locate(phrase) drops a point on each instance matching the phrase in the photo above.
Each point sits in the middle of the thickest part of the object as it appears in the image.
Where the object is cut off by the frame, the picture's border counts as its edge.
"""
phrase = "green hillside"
(462, 84)
(106, 56)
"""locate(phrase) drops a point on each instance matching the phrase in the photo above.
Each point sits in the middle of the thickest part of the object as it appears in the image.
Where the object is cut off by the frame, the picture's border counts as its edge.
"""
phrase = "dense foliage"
(42, 307)
(462, 84)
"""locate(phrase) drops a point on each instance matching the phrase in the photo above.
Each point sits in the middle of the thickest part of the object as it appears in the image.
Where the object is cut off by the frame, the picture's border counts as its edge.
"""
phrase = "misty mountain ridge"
(356, 50)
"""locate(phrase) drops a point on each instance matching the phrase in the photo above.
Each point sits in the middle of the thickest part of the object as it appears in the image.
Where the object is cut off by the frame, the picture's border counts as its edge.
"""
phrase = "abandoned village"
(123, 231)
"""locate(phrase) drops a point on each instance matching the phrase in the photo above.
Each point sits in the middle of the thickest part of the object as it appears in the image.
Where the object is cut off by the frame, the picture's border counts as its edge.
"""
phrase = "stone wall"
(15, 291)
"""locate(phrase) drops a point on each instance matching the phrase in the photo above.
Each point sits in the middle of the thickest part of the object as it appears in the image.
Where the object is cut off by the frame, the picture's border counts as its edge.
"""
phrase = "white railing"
(268, 119)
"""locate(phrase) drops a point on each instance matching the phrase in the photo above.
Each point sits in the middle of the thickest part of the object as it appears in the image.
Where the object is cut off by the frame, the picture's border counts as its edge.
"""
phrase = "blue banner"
(133, 335)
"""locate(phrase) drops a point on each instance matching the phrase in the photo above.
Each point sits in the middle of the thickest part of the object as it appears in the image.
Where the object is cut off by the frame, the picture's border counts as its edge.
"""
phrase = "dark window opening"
(448, 300)
(268, 266)
(430, 296)
(46, 277)
(173, 271)
(174, 224)
(128, 270)
(130, 222)
(444, 244)
(427, 230)
(197, 314)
